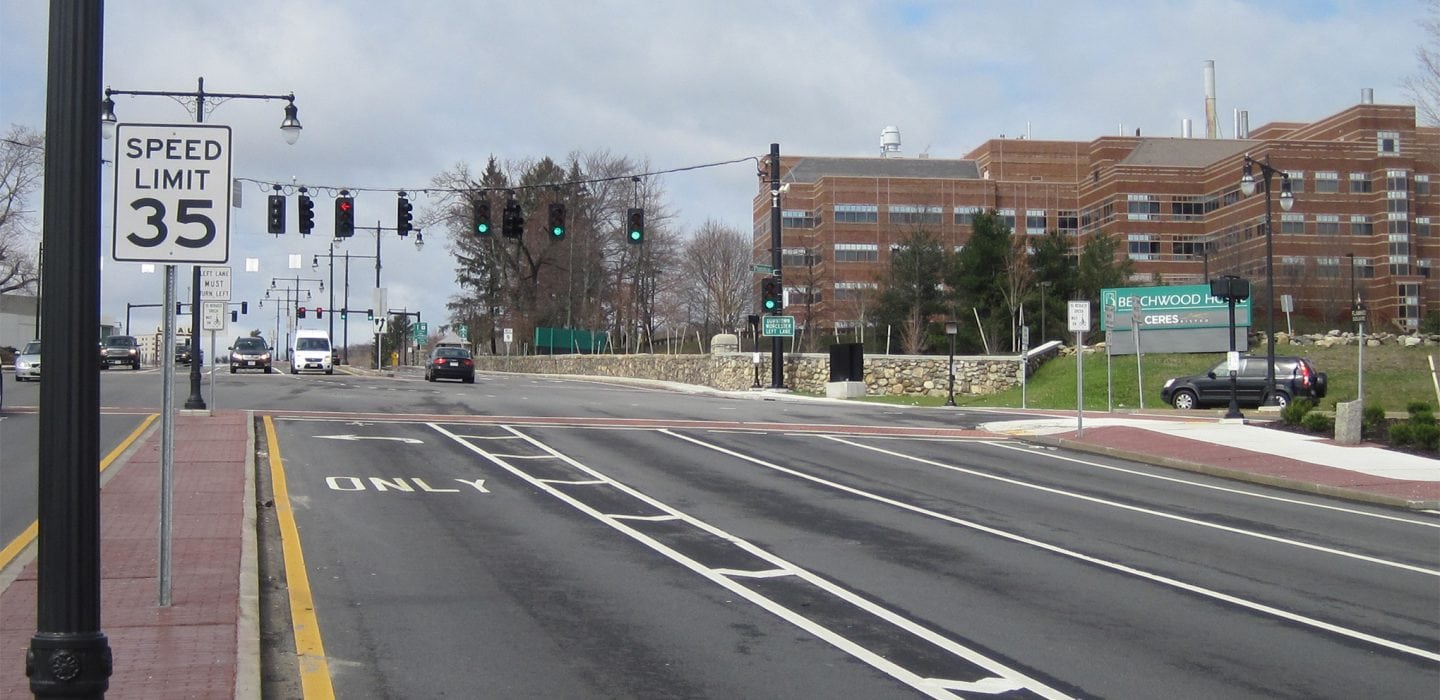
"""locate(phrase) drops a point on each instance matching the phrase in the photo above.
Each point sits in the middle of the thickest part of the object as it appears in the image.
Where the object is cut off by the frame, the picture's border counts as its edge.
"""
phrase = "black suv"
(1295, 378)
(120, 350)
(250, 353)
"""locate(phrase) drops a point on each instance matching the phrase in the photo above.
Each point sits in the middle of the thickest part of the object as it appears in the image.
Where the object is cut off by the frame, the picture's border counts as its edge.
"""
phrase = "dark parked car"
(250, 353)
(120, 350)
(451, 363)
(1295, 378)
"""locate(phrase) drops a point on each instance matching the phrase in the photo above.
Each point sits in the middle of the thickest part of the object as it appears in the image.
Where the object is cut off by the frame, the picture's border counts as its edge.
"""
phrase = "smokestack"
(1211, 127)
(1244, 131)
(1367, 96)
(1185, 128)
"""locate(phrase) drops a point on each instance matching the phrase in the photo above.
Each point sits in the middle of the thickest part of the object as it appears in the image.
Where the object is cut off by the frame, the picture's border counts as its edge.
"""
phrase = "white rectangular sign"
(172, 193)
(212, 315)
(379, 325)
(1079, 313)
(215, 283)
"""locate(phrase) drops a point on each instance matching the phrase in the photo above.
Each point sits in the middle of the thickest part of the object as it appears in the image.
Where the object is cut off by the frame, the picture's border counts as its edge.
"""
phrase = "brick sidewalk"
(190, 649)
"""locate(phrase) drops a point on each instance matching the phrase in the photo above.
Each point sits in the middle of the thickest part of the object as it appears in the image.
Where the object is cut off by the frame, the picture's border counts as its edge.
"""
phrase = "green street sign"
(762, 269)
(778, 326)
(421, 330)
(463, 331)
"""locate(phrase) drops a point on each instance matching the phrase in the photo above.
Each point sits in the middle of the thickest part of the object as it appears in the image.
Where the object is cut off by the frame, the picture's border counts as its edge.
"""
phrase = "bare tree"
(1019, 277)
(716, 264)
(1424, 85)
(22, 169)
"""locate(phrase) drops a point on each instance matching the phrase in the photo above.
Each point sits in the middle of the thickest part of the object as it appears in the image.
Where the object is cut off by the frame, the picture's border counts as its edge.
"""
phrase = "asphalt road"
(534, 537)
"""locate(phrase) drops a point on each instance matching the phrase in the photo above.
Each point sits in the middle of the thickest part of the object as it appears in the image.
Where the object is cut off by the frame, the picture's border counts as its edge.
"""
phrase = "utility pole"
(777, 344)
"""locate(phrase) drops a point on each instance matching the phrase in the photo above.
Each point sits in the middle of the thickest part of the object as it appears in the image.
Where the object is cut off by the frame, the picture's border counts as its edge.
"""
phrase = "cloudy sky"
(392, 93)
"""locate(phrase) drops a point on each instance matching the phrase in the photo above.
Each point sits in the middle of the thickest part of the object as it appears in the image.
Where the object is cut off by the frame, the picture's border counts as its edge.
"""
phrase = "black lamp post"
(951, 328)
(1287, 201)
(289, 128)
(1231, 289)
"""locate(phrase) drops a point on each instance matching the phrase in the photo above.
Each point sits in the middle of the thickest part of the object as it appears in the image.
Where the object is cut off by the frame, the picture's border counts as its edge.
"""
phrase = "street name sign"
(172, 194)
(778, 326)
(762, 269)
(215, 283)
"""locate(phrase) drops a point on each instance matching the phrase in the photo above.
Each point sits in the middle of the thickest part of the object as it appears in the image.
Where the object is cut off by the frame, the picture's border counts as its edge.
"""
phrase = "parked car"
(450, 363)
(250, 353)
(1295, 378)
(27, 363)
(120, 350)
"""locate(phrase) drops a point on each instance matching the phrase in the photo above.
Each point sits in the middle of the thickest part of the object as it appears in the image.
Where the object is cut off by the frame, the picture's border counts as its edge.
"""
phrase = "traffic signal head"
(635, 225)
(403, 217)
(300, 312)
(234, 316)
(344, 216)
(344, 314)
(307, 213)
(512, 223)
(319, 312)
(480, 217)
(245, 307)
(275, 221)
(772, 297)
(557, 221)
(370, 314)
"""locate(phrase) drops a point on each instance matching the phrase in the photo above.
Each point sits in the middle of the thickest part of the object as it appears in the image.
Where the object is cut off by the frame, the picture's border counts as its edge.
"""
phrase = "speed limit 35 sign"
(172, 193)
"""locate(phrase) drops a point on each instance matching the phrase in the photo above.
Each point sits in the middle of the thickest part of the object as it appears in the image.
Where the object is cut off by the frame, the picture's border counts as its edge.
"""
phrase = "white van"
(310, 350)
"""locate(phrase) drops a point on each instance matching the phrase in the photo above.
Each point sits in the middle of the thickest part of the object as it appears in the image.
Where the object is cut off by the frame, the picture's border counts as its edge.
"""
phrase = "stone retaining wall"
(910, 375)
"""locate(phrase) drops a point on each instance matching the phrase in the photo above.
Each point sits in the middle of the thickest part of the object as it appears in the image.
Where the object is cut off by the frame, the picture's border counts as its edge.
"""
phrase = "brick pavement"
(201, 646)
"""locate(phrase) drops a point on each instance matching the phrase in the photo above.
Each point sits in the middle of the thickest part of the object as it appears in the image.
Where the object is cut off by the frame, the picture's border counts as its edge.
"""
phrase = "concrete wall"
(894, 375)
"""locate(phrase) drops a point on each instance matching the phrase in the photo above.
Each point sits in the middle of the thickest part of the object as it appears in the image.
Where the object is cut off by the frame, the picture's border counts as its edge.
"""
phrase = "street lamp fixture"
(1248, 187)
(951, 328)
(419, 240)
(290, 126)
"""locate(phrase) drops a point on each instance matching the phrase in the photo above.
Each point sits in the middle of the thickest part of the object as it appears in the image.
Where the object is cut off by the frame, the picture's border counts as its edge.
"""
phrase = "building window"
(1423, 267)
(1192, 208)
(797, 257)
(1034, 221)
(1360, 225)
(1409, 311)
(857, 214)
(1144, 246)
(915, 214)
(1399, 245)
(798, 296)
(1327, 224)
(1292, 223)
(1422, 226)
(1365, 268)
(965, 216)
(1327, 267)
(1297, 180)
(857, 252)
(1396, 180)
(797, 218)
(1387, 143)
(1292, 266)
(1360, 183)
(1422, 184)
(1327, 181)
(1398, 224)
(1399, 266)
(1186, 247)
(1007, 218)
(853, 291)
(1142, 207)
(1069, 222)
(1396, 203)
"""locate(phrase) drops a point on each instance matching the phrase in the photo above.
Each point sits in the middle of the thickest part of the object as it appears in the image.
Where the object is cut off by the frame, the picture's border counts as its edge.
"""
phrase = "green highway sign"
(463, 331)
(421, 330)
(779, 326)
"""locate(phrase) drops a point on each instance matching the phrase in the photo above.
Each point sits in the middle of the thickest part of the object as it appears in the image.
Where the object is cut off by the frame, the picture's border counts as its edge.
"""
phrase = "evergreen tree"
(911, 287)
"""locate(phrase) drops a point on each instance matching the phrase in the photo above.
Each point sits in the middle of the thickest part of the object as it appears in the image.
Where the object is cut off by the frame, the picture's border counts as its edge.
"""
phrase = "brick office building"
(1366, 185)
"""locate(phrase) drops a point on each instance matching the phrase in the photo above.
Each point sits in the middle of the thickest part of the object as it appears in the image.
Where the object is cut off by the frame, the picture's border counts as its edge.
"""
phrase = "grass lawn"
(1394, 377)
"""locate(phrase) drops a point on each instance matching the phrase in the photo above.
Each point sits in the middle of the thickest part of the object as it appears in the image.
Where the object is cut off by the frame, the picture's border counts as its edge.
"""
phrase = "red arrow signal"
(344, 206)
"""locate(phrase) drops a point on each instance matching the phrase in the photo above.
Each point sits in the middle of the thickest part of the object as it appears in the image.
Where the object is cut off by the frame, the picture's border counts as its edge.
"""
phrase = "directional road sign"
(781, 326)
(379, 324)
(215, 283)
(172, 193)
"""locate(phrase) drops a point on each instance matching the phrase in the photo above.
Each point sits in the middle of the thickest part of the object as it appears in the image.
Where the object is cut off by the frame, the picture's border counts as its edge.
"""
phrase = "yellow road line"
(24, 539)
(309, 650)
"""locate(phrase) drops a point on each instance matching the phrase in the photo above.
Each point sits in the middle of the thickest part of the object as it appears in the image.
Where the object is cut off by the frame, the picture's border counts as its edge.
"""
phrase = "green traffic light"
(557, 231)
(634, 235)
(482, 227)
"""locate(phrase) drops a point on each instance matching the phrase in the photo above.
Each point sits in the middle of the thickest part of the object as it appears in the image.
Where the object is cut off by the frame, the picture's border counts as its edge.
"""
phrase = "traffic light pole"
(777, 344)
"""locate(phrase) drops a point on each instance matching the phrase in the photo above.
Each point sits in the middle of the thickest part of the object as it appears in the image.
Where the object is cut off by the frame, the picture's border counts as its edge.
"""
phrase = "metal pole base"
(69, 665)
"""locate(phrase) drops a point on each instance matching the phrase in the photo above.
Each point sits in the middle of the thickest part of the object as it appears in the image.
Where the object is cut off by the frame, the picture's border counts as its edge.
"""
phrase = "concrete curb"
(247, 626)
(1231, 474)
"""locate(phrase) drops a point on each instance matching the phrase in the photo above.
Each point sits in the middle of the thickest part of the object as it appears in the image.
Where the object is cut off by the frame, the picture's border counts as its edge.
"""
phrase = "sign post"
(1079, 322)
(212, 318)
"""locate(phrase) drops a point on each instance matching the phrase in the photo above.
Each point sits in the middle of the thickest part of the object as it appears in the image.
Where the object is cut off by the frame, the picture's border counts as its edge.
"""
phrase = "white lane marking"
(984, 686)
(925, 686)
(568, 482)
(1138, 509)
(649, 518)
(1225, 489)
(526, 456)
(768, 573)
(1079, 556)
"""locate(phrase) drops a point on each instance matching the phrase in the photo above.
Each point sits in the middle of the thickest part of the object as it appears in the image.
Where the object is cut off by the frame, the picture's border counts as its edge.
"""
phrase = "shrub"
(1402, 434)
(1420, 412)
(1317, 422)
(1373, 416)
(1426, 435)
(1295, 411)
